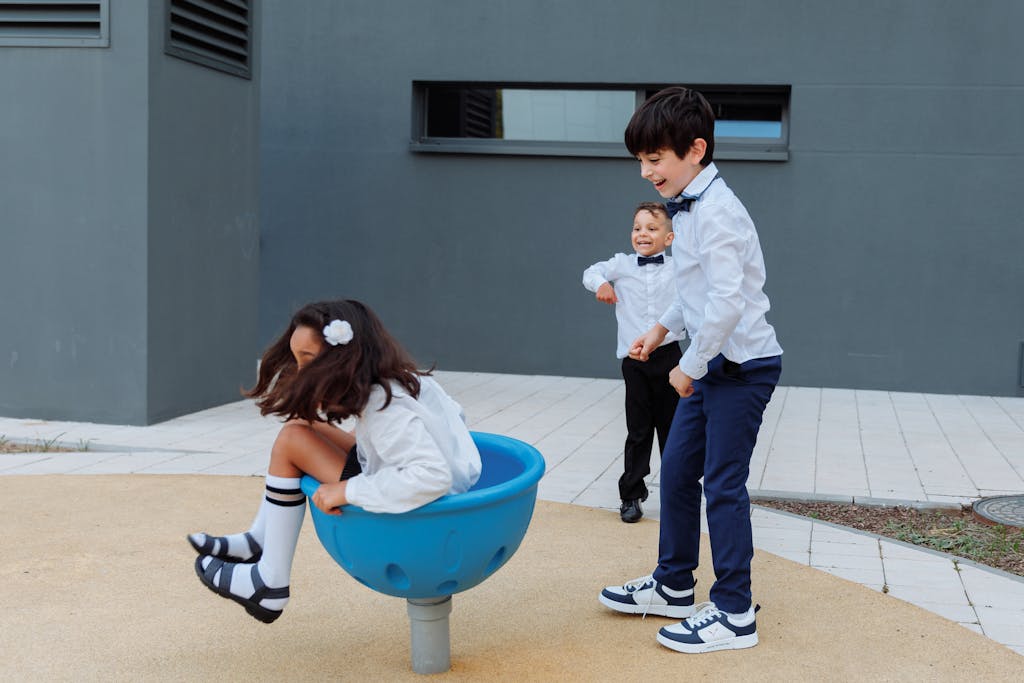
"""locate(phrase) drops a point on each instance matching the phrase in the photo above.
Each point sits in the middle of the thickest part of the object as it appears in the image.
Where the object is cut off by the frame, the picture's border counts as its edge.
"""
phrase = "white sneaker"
(646, 596)
(711, 629)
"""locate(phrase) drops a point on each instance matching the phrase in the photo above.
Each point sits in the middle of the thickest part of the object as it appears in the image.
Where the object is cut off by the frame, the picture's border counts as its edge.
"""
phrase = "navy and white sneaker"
(711, 629)
(647, 596)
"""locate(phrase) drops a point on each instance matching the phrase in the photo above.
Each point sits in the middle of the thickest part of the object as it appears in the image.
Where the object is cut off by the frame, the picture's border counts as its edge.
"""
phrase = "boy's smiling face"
(669, 173)
(652, 232)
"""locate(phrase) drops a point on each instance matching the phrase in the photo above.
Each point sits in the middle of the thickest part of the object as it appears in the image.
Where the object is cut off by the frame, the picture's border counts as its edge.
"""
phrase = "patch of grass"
(967, 538)
(39, 446)
(950, 531)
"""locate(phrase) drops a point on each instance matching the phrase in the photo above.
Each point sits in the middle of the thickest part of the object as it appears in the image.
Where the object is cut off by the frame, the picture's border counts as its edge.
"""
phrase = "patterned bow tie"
(673, 207)
(644, 260)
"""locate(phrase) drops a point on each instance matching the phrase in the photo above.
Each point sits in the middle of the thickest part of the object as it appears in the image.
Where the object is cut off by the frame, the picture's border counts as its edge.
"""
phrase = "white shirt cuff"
(692, 365)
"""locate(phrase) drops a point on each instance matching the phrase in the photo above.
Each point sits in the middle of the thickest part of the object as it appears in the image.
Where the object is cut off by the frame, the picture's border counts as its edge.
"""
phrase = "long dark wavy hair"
(337, 383)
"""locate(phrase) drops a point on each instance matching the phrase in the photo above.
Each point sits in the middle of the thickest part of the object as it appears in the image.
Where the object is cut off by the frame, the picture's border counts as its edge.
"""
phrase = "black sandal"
(223, 588)
(211, 542)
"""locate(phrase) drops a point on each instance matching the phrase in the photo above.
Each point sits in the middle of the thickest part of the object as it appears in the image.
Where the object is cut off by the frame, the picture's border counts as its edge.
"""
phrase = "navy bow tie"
(686, 201)
(673, 207)
(644, 260)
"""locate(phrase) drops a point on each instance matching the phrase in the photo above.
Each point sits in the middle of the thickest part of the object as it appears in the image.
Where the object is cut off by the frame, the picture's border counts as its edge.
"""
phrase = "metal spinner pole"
(431, 639)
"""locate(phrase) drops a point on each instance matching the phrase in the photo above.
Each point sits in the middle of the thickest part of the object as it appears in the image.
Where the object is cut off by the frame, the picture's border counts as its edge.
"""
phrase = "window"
(582, 120)
(214, 33)
(750, 122)
(48, 23)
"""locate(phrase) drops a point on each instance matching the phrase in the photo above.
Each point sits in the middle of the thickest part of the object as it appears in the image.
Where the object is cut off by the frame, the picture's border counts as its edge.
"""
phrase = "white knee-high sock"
(285, 509)
(238, 544)
(259, 524)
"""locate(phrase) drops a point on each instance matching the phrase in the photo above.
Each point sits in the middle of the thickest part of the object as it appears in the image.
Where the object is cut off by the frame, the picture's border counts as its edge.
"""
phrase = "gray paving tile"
(841, 548)
(128, 462)
(921, 595)
(782, 537)
(63, 463)
(793, 555)
(862, 561)
(941, 574)
(1006, 626)
(9, 462)
(959, 613)
(857, 575)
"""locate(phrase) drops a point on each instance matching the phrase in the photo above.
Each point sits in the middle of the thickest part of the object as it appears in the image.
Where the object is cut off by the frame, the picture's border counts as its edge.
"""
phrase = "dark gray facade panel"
(73, 192)
(891, 236)
(203, 234)
(130, 230)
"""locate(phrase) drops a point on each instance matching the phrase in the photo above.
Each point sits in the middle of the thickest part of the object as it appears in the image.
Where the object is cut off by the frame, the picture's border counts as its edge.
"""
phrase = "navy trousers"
(712, 436)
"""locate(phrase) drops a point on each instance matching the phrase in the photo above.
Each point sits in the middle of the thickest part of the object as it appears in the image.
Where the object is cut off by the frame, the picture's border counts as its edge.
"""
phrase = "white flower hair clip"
(338, 332)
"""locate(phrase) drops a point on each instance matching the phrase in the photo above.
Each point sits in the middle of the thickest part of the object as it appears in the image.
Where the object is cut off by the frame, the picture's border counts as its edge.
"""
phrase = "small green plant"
(964, 537)
(954, 531)
(48, 444)
(40, 446)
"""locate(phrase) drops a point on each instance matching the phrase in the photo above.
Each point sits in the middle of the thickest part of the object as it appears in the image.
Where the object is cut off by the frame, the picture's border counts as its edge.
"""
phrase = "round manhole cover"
(1005, 510)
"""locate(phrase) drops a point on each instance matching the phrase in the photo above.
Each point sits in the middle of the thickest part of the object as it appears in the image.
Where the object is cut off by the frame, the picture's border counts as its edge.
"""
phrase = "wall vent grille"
(214, 33)
(53, 23)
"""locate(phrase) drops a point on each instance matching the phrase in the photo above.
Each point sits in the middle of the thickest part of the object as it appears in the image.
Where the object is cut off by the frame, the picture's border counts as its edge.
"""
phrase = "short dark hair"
(672, 118)
(338, 381)
(655, 208)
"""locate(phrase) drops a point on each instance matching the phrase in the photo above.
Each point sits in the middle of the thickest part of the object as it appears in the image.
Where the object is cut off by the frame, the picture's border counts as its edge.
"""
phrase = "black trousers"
(650, 405)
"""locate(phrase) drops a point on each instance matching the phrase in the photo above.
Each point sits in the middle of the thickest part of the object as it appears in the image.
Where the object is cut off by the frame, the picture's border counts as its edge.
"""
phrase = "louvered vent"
(214, 33)
(64, 23)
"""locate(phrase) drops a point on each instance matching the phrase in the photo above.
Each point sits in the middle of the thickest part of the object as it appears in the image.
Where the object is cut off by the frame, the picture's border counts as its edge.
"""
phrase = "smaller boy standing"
(641, 286)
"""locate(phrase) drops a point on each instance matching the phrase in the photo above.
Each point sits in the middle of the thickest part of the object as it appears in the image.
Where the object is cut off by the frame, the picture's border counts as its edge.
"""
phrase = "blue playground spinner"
(449, 545)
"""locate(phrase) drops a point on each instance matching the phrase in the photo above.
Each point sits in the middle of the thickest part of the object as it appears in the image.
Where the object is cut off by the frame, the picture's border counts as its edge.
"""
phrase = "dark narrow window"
(753, 116)
(72, 23)
(464, 113)
(214, 33)
(583, 120)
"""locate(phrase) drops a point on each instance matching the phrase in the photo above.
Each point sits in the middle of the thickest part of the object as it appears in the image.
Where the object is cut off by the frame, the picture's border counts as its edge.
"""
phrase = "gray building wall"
(128, 191)
(891, 239)
(203, 258)
(73, 192)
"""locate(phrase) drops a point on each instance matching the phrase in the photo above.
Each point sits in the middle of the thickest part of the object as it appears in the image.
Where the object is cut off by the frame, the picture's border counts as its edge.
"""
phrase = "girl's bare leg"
(322, 456)
(303, 449)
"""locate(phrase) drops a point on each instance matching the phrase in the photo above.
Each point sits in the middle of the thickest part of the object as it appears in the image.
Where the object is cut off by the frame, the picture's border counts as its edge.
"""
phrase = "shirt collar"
(701, 182)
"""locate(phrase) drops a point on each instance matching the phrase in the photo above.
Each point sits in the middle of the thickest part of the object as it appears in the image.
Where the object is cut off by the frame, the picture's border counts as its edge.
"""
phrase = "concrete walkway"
(815, 444)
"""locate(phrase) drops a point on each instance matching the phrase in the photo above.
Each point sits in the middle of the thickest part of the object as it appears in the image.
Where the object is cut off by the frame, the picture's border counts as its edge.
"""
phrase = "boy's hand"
(647, 342)
(606, 294)
(681, 382)
(329, 497)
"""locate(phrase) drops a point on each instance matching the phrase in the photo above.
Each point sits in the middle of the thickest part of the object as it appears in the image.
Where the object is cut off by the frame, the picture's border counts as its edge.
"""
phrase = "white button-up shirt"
(412, 452)
(719, 277)
(644, 292)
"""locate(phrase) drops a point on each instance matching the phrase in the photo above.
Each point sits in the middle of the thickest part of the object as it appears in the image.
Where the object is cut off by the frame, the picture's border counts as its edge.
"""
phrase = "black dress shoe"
(630, 511)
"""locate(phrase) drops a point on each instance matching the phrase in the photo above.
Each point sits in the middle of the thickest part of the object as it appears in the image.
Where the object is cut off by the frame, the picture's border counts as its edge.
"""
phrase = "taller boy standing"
(640, 287)
(725, 379)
